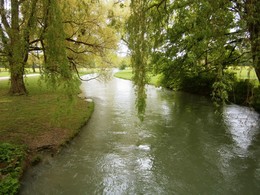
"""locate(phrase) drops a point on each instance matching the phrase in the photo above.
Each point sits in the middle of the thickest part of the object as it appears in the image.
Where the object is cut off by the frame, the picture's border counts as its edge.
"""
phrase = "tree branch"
(3, 17)
(157, 5)
(77, 72)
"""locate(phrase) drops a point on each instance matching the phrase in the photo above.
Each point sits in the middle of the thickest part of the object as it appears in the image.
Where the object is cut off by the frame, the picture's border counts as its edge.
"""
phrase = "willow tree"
(14, 40)
(66, 32)
(137, 28)
(20, 28)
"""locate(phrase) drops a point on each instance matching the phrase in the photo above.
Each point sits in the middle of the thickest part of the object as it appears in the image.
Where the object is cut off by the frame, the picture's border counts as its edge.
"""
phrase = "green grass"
(243, 72)
(42, 111)
(4, 74)
(124, 74)
(128, 75)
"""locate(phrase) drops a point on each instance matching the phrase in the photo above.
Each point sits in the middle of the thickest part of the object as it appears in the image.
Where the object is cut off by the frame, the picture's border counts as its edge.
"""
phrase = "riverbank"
(127, 75)
(244, 92)
(34, 125)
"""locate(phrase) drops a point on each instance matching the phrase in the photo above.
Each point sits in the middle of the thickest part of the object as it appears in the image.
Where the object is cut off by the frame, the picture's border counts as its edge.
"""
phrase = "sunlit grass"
(128, 75)
(124, 74)
(244, 72)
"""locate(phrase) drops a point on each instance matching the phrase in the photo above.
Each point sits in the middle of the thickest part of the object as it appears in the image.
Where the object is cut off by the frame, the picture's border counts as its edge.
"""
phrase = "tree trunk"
(16, 53)
(17, 81)
(253, 22)
(255, 48)
(16, 59)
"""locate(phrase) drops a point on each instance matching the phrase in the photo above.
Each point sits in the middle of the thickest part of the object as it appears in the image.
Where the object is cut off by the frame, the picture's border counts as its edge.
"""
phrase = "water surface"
(182, 147)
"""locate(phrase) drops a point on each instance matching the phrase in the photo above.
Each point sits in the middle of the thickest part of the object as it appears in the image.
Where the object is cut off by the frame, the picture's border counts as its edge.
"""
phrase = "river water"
(182, 147)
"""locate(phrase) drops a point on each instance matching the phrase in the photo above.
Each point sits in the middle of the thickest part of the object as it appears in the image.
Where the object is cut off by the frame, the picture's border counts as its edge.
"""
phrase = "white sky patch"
(123, 50)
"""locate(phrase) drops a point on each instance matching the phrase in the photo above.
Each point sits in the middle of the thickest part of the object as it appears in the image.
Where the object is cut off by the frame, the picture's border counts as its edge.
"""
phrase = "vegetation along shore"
(45, 120)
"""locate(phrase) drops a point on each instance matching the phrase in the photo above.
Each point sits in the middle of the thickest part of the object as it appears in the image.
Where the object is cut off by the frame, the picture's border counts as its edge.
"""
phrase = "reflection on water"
(243, 125)
(182, 147)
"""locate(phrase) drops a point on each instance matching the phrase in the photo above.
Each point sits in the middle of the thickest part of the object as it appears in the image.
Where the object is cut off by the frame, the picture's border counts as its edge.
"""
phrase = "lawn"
(243, 72)
(128, 75)
(4, 74)
(44, 112)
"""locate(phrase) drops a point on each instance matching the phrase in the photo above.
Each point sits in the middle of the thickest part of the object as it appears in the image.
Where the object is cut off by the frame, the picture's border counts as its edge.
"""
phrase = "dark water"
(182, 147)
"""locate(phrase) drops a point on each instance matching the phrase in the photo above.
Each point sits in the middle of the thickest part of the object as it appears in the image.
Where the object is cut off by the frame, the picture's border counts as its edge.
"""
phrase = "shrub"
(242, 92)
(11, 158)
(256, 99)
(199, 84)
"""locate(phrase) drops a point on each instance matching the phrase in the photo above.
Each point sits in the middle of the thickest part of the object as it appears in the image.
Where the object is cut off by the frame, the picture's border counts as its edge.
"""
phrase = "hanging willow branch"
(137, 27)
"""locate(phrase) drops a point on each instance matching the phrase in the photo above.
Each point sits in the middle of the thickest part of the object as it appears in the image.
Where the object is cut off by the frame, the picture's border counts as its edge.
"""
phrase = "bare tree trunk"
(17, 80)
(16, 60)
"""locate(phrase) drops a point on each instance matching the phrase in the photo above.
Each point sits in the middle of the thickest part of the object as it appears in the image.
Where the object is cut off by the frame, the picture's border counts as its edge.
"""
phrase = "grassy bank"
(43, 120)
(241, 73)
(127, 74)
(245, 87)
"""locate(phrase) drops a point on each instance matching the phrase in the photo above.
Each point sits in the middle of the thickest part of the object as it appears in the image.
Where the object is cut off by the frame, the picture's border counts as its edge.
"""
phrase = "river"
(183, 147)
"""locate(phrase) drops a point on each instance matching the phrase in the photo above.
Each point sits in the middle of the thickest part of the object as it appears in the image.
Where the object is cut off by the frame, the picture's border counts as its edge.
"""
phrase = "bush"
(11, 158)
(123, 66)
(242, 92)
(256, 99)
(200, 84)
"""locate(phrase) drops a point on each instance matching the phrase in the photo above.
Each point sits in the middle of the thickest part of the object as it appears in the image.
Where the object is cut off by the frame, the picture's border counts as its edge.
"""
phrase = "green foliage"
(11, 158)
(221, 87)
(137, 27)
(242, 92)
(185, 39)
(199, 84)
(245, 92)
(58, 72)
(123, 65)
(256, 99)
